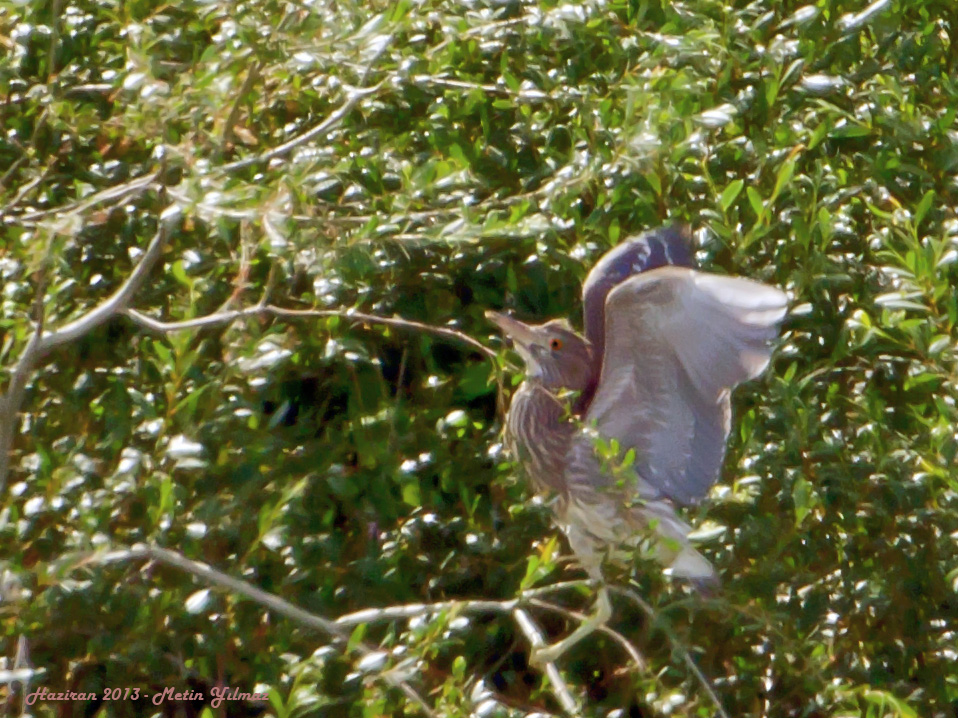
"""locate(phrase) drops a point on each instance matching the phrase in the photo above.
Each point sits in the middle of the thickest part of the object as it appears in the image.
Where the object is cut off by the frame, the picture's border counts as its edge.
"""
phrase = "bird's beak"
(521, 334)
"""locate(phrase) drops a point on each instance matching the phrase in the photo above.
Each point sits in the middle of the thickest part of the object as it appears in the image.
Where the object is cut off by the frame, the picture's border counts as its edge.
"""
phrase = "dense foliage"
(469, 155)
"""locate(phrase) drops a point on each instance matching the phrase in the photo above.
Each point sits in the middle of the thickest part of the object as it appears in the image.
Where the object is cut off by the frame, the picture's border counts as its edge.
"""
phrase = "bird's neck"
(586, 396)
(538, 433)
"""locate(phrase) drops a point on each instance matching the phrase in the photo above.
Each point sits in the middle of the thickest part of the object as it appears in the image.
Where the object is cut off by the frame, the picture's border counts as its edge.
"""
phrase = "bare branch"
(522, 95)
(210, 210)
(54, 41)
(20, 161)
(559, 586)
(415, 610)
(11, 401)
(356, 95)
(27, 188)
(258, 595)
(116, 303)
(41, 342)
(396, 322)
(270, 310)
(118, 193)
(241, 281)
(559, 688)
(93, 88)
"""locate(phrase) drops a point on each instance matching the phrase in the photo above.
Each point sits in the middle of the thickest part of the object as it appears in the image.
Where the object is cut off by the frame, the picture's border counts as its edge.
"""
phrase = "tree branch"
(559, 687)
(261, 310)
(12, 400)
(251, 77)
(257, 595)
(523, 620)
(415, 610)
(355, 97)
(119, 192)
(42, 342)
(119, 300)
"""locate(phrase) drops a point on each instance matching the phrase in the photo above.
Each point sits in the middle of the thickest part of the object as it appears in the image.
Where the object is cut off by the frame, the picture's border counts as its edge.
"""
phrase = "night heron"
(630, 420)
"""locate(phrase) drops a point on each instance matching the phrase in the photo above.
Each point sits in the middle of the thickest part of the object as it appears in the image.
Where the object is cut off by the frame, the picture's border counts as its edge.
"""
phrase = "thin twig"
(415, 610)
(9, 173)
(559, 586)
(251, 77)
(241, 281)
(391, 440)
(559, 688)
(269, 310)
(213, 210)
(119, 192)
(356, 96)
(93, 88)
(27, 189)
(524, 95)
(269, 600)
(54, 40)
(682, 651)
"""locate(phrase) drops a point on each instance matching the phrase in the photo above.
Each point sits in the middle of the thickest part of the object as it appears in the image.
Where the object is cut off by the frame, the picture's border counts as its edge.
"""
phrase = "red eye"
(555, 344)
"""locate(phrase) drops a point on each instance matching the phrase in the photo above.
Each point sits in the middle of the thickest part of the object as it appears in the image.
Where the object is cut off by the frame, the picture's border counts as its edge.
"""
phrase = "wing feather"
(677, 342)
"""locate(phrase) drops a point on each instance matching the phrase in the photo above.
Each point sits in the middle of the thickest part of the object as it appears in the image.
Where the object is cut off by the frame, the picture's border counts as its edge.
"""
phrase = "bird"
(629, 421)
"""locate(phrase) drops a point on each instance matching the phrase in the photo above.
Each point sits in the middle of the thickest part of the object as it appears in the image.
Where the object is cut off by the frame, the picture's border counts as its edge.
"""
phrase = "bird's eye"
(555, 344)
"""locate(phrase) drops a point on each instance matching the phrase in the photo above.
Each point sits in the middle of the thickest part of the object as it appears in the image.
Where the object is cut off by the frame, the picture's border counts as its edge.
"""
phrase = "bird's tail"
(695, 568)
(671, 547)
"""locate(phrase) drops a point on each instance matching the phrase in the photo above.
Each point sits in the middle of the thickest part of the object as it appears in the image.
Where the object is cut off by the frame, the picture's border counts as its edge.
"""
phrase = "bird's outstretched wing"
(649, 250)
(677, 342)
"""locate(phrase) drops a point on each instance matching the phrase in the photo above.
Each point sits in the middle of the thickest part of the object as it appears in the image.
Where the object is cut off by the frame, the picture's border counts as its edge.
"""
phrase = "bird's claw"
(544, 655)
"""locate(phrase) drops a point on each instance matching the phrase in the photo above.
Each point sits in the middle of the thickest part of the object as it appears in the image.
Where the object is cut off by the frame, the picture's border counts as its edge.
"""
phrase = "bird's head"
(555, 356)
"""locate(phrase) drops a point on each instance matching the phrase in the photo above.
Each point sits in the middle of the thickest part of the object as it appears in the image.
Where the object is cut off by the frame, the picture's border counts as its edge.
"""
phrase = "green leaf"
(731, 193)
(818, 134)
(179, 274)
(884, 701)
(614, 231)
(923, 206)
(455, 151)
(343, 486)
(804, 498)
(850, 132)
(540, 565)
(758, 205)
(477, 380)
(783, 177)
(356, 637)
(410, 494)
(655, 182)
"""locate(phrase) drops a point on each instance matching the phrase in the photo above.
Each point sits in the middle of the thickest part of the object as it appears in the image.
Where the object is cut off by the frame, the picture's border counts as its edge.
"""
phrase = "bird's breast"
(538, 434)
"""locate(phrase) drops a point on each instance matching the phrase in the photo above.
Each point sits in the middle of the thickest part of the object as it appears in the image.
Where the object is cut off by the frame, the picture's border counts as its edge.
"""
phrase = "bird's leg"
(603, 612)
